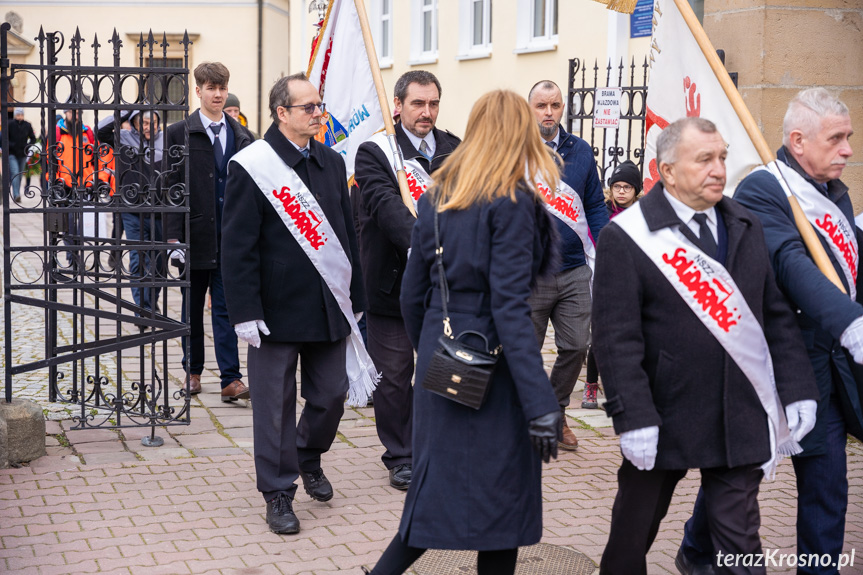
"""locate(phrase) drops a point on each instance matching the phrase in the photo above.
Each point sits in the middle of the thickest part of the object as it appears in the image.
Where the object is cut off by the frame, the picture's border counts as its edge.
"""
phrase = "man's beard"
(547, 132)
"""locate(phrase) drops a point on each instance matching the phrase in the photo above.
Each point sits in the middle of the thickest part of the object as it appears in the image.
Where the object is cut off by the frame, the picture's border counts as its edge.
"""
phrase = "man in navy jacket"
(565, 297)
(815, 145)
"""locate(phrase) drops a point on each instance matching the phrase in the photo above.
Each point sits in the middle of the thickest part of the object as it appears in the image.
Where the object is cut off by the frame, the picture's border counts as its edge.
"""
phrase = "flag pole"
(398, 161)
(810, 238)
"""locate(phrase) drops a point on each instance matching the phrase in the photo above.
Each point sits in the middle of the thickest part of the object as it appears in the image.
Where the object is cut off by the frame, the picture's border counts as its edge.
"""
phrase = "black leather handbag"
(458, 371)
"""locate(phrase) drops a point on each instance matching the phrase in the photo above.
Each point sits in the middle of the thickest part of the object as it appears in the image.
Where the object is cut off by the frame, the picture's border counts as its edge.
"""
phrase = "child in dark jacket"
(624, 189)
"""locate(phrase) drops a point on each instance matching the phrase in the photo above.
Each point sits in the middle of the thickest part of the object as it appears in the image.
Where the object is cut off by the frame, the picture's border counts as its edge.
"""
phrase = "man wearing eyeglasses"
(385, 225)
(294, 291)
(213, 138)
(565, 297)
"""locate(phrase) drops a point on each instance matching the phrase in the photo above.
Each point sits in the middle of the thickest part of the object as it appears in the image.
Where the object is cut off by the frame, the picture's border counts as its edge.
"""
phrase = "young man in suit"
(213, 138)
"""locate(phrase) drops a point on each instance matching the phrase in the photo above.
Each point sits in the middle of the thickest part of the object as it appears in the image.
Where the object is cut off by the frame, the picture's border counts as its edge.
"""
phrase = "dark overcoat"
(661, 366)
(203, 177)
(265, 271)
(823, 312)
(385, 223)
(476, 477)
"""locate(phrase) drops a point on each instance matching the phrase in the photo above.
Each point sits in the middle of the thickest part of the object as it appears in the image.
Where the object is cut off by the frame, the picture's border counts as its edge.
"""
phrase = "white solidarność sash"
(825, 216)
(306, 221)
(418, 179)
(710, 292)
(566, 205)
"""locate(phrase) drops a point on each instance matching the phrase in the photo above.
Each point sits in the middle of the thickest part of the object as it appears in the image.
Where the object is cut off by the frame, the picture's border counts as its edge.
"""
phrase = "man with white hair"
(815, 150)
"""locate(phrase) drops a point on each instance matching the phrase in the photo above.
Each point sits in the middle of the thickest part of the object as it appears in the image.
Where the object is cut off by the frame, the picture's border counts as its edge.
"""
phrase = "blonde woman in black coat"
(476, 474)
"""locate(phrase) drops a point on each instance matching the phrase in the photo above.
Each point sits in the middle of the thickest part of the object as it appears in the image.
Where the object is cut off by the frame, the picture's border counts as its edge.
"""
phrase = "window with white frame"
(474, 29)
(382, 33)
(537, 25)
(424, 32)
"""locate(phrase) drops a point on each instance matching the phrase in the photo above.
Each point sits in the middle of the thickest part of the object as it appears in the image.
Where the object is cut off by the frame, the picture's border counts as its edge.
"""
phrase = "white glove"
(248, 331)
(852, 339)
(178, 255)
(639, 446)
(801, 417)
(358, 316)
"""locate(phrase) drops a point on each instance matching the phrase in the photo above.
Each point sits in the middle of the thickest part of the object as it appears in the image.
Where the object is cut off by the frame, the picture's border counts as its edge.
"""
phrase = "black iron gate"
(610, 146)
(104, 299)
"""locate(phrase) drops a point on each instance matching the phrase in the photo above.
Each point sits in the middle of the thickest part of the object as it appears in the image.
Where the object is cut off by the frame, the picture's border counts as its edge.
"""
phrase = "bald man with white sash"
(294, 290)
(687, 323)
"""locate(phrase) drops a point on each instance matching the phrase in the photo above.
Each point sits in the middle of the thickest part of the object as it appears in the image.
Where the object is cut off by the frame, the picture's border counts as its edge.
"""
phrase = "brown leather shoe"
(569, 441)
(194, 383)
(235, 390)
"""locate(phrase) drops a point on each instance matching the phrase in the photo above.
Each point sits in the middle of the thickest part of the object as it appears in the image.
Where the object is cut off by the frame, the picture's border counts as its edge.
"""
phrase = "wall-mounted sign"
(606, 108)
(641, 21)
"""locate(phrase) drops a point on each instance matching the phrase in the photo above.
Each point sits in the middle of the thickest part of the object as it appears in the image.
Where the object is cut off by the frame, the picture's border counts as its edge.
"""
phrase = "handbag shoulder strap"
(444, 288)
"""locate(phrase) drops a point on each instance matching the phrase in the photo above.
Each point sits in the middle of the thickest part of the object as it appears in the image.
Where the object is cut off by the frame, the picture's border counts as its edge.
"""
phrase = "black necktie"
(705, 236)
(217, 144)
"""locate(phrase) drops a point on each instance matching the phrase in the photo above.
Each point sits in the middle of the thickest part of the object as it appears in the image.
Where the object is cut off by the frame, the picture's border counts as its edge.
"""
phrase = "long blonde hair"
(501, 148)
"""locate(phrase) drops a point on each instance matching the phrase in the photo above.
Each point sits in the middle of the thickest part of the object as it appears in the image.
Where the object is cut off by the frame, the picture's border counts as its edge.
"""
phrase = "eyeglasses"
(309, 108)
(622, 188)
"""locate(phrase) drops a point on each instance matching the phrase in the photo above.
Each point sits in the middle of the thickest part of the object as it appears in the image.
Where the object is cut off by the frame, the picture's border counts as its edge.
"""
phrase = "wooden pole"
(810, 238)
(398, 161)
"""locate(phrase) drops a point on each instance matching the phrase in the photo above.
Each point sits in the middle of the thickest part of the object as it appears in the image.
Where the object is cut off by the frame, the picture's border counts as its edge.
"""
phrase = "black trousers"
(643, 497)
(399, 556)
(284, 446)
(391, 351)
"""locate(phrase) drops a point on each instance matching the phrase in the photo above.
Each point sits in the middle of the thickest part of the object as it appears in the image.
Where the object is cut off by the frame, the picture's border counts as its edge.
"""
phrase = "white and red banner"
(565, 204)
(682, 84)
(305, 220)
(339, 68)
(710, 292)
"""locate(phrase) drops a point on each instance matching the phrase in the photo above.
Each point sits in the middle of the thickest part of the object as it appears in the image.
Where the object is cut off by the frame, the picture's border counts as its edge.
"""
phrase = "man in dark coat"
(282, 304)
(565, 297)
(815, 147)
(675, 381)
(213, 137)
(385, 236)
(20, 137)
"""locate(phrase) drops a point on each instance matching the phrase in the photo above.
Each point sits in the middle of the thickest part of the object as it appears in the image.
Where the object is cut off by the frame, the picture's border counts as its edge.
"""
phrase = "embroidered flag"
(681, 85)
(339, 68)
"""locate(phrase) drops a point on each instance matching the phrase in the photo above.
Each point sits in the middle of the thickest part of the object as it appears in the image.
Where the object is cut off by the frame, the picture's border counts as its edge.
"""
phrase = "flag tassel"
(623, 6)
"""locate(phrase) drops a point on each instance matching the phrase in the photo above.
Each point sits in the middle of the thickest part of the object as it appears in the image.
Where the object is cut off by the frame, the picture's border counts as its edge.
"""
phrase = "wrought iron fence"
(104, 299)
(610, 146)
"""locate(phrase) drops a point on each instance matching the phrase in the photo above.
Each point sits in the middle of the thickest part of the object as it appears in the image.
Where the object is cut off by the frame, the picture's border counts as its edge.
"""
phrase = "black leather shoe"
(400, 476)
(280, 515)
(317, 485)
(687, 567)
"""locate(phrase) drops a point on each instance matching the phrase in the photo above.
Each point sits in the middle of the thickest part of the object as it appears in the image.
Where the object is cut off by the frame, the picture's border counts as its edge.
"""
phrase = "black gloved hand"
(545, 433)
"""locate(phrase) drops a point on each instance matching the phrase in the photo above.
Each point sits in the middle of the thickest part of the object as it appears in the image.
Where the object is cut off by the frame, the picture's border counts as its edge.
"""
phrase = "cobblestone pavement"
(101, 502)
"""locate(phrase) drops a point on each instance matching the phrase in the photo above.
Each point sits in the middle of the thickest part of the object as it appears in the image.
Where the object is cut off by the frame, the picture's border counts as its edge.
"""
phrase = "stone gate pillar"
(779, 47)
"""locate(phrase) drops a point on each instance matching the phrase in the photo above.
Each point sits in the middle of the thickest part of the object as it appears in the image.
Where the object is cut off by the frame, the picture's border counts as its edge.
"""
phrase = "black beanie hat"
(628, 173)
